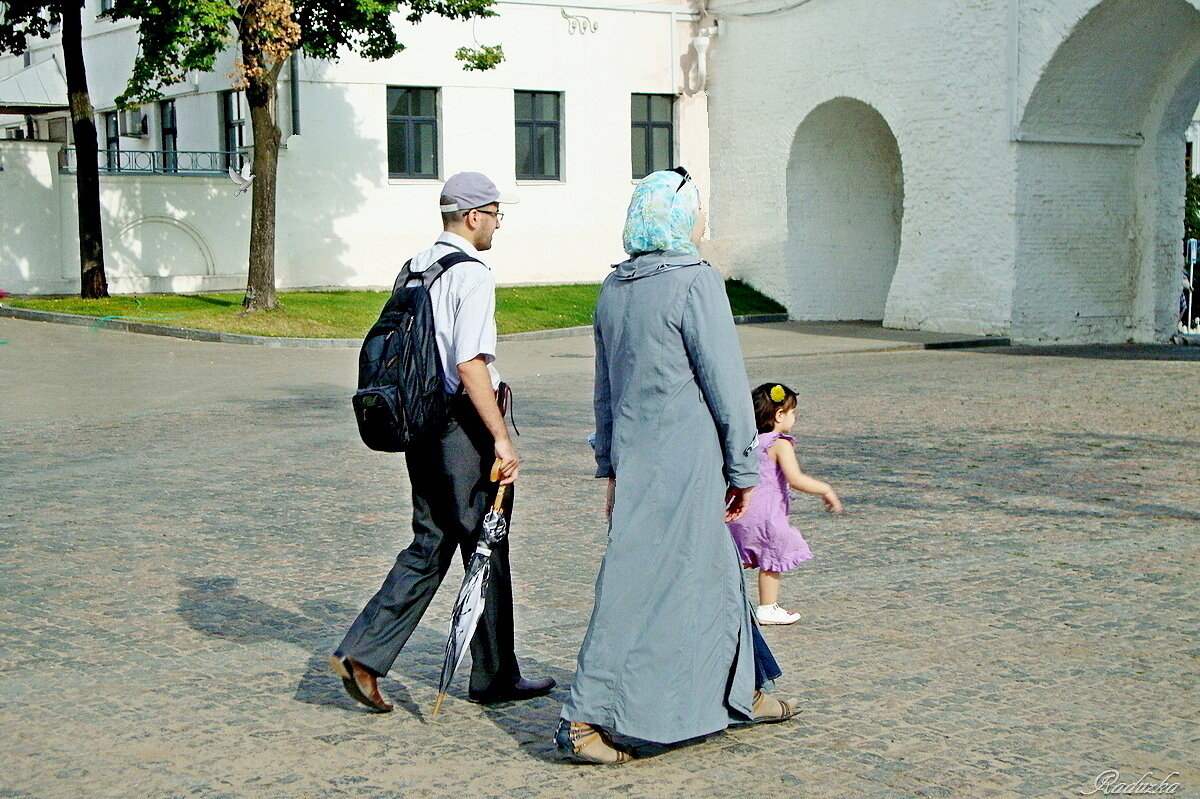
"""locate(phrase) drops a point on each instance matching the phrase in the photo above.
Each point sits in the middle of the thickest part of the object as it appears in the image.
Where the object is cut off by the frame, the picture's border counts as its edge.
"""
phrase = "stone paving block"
(1006, 609)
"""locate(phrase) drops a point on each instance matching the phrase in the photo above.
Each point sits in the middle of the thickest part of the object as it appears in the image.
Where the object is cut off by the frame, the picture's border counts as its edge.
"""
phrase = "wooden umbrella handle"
(499, 503)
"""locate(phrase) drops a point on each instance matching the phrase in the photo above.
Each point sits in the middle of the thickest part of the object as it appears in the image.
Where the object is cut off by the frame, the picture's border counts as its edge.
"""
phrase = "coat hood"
(653, 263)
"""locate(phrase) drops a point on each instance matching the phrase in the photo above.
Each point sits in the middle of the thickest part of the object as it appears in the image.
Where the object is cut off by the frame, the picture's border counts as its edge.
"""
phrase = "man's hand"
(610, 498)
(510, 464)
(737, 500)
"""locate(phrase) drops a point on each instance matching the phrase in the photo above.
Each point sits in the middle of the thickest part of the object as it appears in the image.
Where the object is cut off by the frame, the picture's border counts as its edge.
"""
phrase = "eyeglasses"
(498, 214)
(683, 173)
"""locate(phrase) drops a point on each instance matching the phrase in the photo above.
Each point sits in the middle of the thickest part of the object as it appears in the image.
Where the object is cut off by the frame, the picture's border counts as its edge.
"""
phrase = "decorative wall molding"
(577, 23)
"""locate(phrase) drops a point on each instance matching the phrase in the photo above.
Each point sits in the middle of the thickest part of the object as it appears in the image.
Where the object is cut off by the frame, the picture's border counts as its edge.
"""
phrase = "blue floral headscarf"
(662, 214)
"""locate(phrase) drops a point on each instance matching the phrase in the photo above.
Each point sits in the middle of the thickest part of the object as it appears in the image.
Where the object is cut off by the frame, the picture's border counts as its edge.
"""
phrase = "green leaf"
(480, 58)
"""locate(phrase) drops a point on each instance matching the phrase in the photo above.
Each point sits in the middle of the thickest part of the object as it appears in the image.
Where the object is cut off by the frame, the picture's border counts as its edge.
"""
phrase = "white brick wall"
(1041, 241)
(845, 203)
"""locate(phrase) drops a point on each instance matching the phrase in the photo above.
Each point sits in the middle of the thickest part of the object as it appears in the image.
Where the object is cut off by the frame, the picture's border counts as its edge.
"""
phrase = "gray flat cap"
(472, 190)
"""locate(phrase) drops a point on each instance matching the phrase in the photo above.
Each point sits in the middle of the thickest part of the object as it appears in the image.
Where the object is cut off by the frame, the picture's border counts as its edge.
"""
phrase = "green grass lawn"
(349, 314)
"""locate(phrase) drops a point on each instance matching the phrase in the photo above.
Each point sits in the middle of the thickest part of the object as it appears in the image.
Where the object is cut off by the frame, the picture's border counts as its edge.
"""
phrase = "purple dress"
(763, 537)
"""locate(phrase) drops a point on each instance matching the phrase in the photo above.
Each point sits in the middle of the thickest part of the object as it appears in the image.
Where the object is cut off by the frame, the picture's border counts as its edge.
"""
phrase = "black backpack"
(401, 397)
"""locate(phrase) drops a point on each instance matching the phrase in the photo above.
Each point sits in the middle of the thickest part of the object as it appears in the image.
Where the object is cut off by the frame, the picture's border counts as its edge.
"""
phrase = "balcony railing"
(157, 162)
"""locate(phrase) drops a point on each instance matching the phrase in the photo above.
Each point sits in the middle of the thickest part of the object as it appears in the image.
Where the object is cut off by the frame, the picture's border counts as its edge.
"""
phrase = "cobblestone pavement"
(1008, 608)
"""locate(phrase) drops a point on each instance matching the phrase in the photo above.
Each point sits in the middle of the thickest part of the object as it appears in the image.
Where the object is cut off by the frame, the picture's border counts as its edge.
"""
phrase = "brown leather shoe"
(359, 683)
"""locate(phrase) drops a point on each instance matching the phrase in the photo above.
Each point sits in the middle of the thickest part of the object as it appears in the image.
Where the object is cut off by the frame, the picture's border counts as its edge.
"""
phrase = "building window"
(58, 130)
(110, 159)
(653, 133)
(412, 134)
(539, 135)
(169, 137)
(14, 132)
(233, 126)
(106, 6)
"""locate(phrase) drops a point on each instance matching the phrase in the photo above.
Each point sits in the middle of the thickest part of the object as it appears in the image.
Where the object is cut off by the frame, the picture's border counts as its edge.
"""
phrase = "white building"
(1006, 166)
(589, 97)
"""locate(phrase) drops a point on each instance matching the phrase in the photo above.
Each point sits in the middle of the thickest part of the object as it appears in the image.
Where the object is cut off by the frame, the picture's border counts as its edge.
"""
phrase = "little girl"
(763, 536)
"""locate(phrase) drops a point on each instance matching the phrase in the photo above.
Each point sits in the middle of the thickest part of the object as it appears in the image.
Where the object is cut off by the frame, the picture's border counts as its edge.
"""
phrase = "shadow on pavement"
(212, 606)
(1101, 352)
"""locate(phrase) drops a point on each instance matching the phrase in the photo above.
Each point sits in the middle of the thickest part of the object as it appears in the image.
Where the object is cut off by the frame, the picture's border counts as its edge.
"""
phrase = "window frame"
(410, 123)
(112, 141)
(168, 134)
(536, 125)
(233, 128)
(647, 127)
(66, 129)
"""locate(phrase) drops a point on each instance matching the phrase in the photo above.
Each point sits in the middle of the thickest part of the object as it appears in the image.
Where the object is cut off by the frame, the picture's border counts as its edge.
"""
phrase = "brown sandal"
(766, 712)
(588, 744)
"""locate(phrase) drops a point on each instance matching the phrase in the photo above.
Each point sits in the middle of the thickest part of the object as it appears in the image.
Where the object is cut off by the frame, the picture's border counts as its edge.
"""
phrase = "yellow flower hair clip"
(777, 394)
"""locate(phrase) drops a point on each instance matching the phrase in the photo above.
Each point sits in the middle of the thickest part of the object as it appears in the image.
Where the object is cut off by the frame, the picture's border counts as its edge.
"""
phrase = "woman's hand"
(610, 497)
(737, 500)
(832, 503)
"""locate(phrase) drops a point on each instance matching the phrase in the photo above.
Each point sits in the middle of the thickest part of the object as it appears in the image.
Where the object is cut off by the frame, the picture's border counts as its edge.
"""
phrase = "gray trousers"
(451, 494)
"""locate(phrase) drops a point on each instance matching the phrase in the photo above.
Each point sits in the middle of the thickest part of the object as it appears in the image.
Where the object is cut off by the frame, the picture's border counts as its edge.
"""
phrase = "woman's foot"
(589, 744)
(769, 710)
(773, 614)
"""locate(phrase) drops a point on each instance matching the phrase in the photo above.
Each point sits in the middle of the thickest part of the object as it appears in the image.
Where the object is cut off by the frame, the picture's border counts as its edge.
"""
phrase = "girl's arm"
(782, 453)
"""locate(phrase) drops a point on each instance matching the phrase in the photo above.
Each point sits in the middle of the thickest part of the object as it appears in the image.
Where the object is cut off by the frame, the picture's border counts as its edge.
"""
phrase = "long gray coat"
(668, 653)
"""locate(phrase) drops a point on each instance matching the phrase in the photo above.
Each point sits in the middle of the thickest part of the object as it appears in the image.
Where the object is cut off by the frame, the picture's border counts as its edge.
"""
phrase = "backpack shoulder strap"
(430, 275)
(404, 276)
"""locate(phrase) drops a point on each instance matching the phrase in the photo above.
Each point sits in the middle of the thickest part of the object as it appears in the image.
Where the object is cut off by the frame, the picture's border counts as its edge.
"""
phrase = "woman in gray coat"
(669, 652)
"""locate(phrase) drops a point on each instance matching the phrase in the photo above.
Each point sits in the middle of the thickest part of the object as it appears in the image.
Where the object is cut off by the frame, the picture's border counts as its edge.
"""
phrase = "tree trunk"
(93, 282)
(260, 284)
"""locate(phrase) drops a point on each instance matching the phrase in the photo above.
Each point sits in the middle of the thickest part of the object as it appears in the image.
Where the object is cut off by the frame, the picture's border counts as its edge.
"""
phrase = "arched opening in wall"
(845, 196)
(1100, 176)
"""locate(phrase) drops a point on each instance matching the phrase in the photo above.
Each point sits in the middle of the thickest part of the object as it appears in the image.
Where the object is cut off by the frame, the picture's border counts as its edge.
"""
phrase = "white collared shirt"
(464, 308)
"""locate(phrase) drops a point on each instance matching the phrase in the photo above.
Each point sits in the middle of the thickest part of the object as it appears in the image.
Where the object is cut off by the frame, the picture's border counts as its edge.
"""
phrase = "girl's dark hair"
(765, 405)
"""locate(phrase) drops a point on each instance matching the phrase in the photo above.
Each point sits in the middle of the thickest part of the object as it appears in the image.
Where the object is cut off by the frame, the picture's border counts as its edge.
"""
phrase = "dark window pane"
(639, 110)
(397, 148)
(638, 145)
(425, 155)
(398, 101)
(524, 105)
(546, 107)
(547, 147)
(525, 164)
(660, 146)
(424, 104)
(660, 107)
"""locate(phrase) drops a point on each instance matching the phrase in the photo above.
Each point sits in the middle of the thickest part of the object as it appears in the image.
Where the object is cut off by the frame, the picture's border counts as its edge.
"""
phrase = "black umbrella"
(468, 607)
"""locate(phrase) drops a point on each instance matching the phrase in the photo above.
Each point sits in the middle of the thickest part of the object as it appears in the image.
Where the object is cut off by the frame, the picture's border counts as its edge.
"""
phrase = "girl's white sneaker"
(773, 614)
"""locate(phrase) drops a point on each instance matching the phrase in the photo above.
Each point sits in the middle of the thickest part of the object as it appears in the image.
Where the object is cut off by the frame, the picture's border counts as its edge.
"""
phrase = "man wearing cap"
(450, 476)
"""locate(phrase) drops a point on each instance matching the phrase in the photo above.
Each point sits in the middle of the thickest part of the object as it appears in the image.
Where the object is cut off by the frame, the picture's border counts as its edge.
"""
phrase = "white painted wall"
(341, 220)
